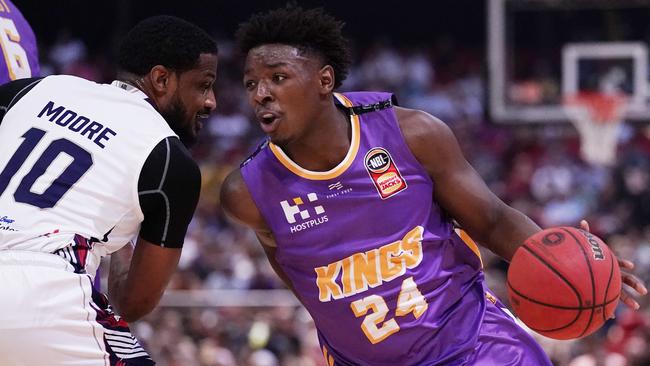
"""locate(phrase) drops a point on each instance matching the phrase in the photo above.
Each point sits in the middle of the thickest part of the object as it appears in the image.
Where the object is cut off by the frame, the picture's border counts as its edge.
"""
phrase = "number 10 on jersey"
(82, 161)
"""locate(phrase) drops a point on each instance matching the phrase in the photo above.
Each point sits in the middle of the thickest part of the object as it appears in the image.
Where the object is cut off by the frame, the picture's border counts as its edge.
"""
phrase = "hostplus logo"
(300, 213)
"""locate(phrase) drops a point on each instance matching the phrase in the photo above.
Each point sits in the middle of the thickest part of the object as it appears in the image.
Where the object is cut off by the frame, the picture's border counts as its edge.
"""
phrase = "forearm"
(508, 232)
(138, 277)
(118, 274)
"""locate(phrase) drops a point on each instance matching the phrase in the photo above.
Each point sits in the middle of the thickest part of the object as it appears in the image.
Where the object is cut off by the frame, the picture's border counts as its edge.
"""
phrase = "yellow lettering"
(346, 277)
(371, 323)
(391, 264)
(328, 358)
(365, 270)
(410, 300)
(412, 247)
(370, 269)
(326, 282)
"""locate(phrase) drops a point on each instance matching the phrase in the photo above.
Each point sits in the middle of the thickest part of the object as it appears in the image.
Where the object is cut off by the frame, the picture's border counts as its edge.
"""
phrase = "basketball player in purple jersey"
(353, 200)
(18, 45)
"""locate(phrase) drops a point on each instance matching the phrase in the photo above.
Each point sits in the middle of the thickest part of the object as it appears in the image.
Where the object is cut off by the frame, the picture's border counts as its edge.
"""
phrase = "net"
(598, 117)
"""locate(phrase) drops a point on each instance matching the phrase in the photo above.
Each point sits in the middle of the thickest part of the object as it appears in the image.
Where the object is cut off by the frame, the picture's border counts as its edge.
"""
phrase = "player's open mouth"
(268, 121)
(268, 118)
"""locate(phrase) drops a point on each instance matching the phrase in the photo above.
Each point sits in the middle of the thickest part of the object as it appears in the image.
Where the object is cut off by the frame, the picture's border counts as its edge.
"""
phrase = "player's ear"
(327, 79)
(161, 79)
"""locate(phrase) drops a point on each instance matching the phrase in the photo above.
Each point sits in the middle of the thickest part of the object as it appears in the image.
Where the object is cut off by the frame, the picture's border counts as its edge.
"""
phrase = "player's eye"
(278, 78)
(249, 84)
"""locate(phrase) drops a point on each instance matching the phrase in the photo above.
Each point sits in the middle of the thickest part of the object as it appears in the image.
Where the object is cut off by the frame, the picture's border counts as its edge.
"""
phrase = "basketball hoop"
(598, 118)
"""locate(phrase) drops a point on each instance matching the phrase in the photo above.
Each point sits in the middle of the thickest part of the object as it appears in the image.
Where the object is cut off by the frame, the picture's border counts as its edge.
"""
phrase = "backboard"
(540, 51)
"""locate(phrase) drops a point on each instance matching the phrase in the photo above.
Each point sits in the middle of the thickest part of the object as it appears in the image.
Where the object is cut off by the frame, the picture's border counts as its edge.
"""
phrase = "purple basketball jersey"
(376, 263)
(18, 45)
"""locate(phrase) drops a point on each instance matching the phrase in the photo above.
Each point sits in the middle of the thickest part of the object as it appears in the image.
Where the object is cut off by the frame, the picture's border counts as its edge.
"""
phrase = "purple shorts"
(502, 342)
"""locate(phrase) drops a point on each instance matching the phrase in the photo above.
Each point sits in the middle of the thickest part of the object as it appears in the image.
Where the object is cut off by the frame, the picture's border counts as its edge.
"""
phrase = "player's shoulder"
(177, 153)
(171, 162)
(420, 128)
(65, 80)
(13, 91)
(237, 202)
(176, 147)
(233, 189)
(68, 87)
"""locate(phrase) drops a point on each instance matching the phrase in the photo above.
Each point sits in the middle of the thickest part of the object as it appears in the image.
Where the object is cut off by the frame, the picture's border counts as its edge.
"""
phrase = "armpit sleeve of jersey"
(168, 189)
(12, 91)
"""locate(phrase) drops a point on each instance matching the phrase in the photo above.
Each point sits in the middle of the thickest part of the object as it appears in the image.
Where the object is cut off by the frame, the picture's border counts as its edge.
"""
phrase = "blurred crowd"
(536, 169)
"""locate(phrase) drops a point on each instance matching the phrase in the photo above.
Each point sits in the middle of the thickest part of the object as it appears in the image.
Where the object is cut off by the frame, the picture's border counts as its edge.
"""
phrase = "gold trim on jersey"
(328, 358)
(336, 171)
(470, 243)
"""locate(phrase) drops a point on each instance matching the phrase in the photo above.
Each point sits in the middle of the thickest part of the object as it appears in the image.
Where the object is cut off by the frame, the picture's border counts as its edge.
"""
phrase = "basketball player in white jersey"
(86, 168)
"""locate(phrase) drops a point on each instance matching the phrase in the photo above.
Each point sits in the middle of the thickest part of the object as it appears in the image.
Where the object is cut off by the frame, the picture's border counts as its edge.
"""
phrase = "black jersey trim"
(260, 147)
(164, 195)
(367, 108)
(359, 109)
(16, 90)
(168, 191)
(22, 92)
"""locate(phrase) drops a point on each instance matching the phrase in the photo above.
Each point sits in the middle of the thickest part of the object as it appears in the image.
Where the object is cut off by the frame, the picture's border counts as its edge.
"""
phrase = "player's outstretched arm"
(465, 196)
(138, 277)
(459, 189)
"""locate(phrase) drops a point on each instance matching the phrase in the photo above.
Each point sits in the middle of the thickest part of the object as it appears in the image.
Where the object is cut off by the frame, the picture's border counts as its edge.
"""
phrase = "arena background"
(226, 307)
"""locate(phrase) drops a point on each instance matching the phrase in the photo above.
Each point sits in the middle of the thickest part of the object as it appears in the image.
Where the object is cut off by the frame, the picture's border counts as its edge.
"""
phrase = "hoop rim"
(599, 107)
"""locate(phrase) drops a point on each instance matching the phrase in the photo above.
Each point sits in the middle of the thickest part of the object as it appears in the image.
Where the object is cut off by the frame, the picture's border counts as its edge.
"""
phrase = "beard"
(175, 116)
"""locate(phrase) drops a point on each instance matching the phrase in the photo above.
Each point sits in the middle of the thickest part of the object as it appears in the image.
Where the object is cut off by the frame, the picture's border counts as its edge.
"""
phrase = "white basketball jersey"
(71, 152)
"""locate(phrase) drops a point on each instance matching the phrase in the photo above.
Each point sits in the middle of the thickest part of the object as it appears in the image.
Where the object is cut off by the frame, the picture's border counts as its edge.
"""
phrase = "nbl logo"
(384, 173)
(378, 161)
(300, 211)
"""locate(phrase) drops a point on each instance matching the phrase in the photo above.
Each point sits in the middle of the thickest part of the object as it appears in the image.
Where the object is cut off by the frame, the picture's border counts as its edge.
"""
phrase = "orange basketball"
(564, 283)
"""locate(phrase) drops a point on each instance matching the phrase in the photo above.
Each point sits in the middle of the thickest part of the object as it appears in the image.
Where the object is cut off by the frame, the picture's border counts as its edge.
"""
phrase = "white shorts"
(50, 315)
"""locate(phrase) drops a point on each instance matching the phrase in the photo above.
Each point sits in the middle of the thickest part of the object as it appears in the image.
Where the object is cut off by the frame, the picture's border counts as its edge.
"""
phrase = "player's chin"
(278, 139)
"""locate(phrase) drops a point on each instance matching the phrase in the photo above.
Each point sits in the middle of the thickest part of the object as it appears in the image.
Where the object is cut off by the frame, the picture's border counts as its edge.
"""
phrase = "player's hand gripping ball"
(564, 283)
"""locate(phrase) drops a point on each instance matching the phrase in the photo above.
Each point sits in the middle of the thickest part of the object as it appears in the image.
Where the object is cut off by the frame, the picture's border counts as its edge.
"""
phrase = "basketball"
(564, 283)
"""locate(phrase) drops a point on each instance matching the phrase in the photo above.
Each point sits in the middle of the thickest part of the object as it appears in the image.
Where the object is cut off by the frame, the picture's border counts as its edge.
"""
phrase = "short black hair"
(164, 40)
(309, 30)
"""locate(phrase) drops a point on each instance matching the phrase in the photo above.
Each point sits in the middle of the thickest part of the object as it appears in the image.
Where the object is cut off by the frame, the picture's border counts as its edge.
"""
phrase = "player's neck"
(135, 81)
(326, 144)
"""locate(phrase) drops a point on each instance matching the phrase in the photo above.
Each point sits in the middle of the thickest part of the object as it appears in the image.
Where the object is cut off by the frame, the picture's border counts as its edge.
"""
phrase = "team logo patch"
(301, 215)
(384, 173)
